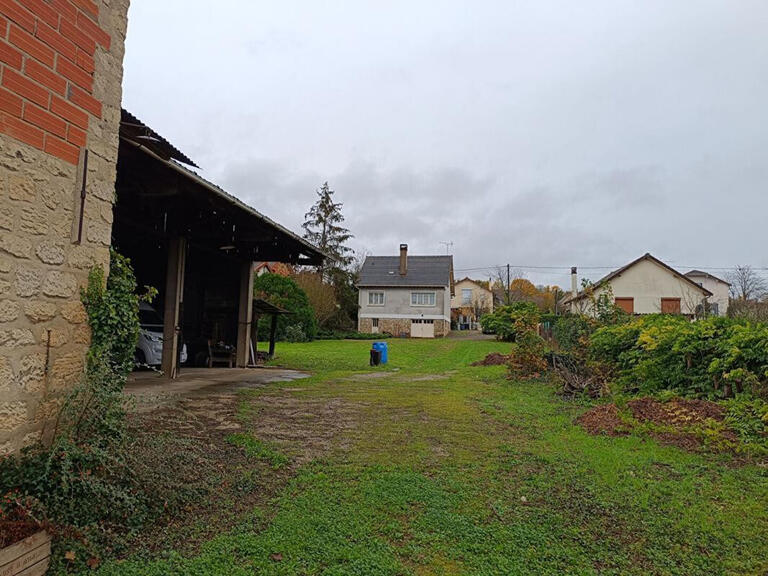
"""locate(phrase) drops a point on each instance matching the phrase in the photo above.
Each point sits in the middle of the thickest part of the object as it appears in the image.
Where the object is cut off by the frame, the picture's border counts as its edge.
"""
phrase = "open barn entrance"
(196, 245)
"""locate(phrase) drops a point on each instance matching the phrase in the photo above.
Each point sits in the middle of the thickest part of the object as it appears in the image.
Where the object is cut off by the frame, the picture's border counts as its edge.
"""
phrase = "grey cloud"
(532, 132)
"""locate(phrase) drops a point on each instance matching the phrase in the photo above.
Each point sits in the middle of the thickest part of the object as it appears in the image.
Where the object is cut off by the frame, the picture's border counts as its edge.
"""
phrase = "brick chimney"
(403, 259)
(574, 281)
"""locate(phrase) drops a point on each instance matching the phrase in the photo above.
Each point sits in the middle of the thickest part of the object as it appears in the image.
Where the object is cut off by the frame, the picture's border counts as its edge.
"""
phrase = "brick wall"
(60, 92)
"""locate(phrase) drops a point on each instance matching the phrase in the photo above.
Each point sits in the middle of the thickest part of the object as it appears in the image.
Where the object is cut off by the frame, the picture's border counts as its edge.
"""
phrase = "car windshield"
(149, 318)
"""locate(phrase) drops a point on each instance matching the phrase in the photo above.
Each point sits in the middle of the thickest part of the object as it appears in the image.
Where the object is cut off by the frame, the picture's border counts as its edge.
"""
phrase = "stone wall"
(60, 94)
(398, 326)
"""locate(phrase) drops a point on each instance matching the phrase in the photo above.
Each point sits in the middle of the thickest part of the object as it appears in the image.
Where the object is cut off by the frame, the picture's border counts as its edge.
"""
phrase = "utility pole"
(508, 286)
(448, 246)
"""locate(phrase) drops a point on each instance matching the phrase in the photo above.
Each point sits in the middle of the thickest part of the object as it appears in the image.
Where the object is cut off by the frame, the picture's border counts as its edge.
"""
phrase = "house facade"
(61, 65)
(471, 300)
(721, 291)
(644, 286)
(406, 295)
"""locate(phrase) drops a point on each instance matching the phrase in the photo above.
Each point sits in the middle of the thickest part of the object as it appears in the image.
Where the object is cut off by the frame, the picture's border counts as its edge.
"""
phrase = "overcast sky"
(535, 133)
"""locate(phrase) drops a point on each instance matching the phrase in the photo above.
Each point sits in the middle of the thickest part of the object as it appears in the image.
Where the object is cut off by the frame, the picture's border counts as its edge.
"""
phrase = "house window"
(626, 304)
(670, 306)
(375, 322)
(375, 298)
(422, 298)
(466, 296)
(714, 309)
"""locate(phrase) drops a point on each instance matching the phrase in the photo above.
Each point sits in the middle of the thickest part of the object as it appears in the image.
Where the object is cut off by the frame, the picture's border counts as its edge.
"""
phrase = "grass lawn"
(430, 466)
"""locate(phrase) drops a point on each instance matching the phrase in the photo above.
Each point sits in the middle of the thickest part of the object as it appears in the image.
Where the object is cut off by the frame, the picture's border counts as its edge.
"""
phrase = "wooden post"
(255, 337)
(174, 295)
(272, 335)
(245, 314)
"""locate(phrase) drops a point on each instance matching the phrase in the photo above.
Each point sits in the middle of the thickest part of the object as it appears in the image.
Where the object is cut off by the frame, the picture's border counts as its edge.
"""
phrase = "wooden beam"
(245, 314)
(174, 296)
(272, 336)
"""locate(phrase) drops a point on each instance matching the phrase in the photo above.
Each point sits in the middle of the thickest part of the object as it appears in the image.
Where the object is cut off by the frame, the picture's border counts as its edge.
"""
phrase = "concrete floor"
(149, 389)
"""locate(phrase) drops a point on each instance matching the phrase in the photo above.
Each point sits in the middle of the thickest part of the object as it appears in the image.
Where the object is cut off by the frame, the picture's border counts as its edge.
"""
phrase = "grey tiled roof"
(429, 271)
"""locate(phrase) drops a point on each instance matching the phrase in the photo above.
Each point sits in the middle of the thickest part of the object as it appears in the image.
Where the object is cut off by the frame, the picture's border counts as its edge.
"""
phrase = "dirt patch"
(493, 359)
(307, 428)
(676, 412)
(603, 419)
(678, 422)
(185, 461)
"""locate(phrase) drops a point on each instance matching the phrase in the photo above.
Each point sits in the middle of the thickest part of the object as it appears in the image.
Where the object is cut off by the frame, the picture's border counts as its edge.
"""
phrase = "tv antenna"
(448, 246)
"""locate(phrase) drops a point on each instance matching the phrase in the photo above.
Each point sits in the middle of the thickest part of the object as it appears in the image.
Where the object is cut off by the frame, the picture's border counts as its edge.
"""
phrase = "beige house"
(471, 300)
(721, 291)
(644, 286)
(406, 295)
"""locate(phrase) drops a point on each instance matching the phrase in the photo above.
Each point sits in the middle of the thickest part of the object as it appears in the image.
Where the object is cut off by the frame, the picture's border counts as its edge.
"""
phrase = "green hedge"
(507, 321)
(715, 357)
(350, 335)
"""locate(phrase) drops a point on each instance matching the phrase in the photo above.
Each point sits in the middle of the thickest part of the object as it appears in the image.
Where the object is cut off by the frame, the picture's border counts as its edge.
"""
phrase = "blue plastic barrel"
(382, 347)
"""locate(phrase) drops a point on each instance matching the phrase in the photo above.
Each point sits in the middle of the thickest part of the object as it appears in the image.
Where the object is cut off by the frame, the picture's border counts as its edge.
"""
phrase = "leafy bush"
(714, 357)
(113, 312)
(572, 332)
(507, 321)
(295, 333)
(285, 293)
(748, 417)
(350, 335)
(82, 478)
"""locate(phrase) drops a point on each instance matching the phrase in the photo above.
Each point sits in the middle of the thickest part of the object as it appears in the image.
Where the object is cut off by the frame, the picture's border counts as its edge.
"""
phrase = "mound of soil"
(493, 359)
(603, 419)
(679, 418)
(677, 412)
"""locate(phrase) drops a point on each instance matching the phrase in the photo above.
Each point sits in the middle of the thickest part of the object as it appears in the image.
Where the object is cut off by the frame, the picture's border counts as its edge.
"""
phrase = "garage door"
(422, 328)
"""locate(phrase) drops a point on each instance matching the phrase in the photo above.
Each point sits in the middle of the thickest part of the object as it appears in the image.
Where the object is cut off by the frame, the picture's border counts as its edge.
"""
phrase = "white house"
(406, 295)
(721, 291)
(644, 286)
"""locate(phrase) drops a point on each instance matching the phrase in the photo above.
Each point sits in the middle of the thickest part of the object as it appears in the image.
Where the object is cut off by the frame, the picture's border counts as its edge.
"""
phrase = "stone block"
(32, 373)
(39, 311)
(74, 312)
(15, 245)
(16, 337)
(34, 221)
(7, 376)
(81, 335)
(82, 257)
(22, 188)
(50, 252)
(28, 281)
(99, 232)
(9, 310)
(7, 219)
(12, 415)
(59, 336)
(66, 370)
(60, 285)
(6, 265)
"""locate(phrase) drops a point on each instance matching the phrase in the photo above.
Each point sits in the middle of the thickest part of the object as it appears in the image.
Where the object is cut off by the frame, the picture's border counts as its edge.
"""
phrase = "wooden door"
(626, 304)
(670, 306)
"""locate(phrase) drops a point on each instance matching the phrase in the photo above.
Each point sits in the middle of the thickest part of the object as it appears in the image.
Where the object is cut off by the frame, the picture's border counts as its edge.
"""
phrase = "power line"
(566, 269)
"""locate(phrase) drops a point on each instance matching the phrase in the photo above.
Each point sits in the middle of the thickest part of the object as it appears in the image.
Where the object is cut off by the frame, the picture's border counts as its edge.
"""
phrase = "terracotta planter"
(29, 557)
